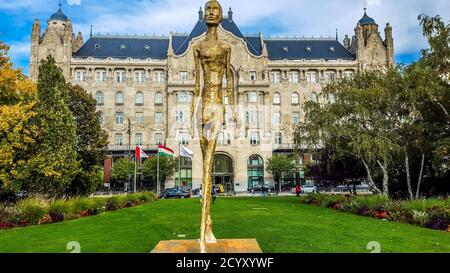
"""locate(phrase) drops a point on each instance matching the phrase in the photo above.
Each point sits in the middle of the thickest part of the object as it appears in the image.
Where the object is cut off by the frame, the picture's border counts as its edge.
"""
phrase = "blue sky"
(281, 17)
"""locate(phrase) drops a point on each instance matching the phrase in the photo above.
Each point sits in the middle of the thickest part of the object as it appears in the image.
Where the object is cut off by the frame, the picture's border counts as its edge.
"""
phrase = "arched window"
(139, 98)
(119, 98)
(255, 167)
(276, 99)
(295, 98)
(252, 97)
(100, 98)
(158, 98)
(314, 97)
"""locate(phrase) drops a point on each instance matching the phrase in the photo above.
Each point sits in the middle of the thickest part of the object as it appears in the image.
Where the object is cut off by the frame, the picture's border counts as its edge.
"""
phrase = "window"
(158, 98)
(295, 98)
(330, 76)
(313, 97)
(312, 77)
(183, 177)
(228, 139)
(183, 75)
(181, 116)
(275, 77)
(158, 117)
(99, 97)
(252, 75)
(139, 99)
(183, 97)
(225, 100)
(254, 138)
(120, 76)
(220, 139)
(184, 138)
(278, 138)
(295, 118)
(276, 99)
(119, 118)
(158, 138)
(158, 76)
(118, 139)
(80, 75)
(252, 117)
(101, 117)
(348, 74)
(139, 76)
(100, 76)
(139, 139)
(294, 77)
(252, 97)
(119, 98)
(331, 98)
(255, 171)
(139, 118)
(277, 118)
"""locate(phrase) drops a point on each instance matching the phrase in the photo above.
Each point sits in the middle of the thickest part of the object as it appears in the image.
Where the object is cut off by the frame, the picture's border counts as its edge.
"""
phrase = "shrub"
(438, 224)
(9, 214)
(419, 217)
(112, 203)
(100, 204)
(147, 197)
(80, 204)
(130, 200)
(63, 207)
(32, 209)
(56, 216)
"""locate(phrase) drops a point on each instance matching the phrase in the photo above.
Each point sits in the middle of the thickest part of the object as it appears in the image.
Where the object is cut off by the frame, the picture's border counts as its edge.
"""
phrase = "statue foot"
(210, 238)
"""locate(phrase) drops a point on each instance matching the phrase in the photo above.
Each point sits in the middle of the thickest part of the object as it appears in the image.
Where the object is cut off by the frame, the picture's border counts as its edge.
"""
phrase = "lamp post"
(129, 154)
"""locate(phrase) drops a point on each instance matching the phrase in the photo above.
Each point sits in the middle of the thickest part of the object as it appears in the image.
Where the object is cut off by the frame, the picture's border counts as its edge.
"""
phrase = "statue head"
(213, 13)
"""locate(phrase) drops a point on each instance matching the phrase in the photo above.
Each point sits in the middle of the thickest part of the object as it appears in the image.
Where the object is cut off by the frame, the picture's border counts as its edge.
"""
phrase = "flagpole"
(179, 164)
(135, 171)
(157, 173)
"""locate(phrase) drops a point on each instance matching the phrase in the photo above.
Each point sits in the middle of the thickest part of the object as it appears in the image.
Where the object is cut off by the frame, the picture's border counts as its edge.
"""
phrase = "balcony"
(124, 147)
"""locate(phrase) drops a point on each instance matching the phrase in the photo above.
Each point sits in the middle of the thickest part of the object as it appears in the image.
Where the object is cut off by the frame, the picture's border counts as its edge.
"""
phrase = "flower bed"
(428, 213)
(38, 211)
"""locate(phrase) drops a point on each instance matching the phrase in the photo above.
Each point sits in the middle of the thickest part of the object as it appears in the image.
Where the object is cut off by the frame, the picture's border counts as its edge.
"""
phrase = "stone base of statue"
(222, 246)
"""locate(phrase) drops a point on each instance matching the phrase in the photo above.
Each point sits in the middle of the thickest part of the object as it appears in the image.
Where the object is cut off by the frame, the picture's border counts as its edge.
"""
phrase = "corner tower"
(371, 50)
(58, 40)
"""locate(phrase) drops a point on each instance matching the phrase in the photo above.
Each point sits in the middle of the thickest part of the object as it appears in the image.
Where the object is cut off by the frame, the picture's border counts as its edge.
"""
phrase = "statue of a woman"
(213, 57)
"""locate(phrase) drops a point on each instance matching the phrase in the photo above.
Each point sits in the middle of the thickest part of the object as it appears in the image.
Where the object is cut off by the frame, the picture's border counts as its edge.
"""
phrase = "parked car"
(309, 189)
(174, 193)
(265, 187)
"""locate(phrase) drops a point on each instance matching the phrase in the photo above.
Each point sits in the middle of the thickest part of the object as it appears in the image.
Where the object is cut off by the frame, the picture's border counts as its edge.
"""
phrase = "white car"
(309, 189)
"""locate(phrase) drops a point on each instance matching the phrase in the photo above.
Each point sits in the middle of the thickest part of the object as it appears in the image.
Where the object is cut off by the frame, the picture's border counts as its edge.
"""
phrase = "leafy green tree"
(91, 138)
(279, 164)
(119, 171)
(167, 167)
(54, 163)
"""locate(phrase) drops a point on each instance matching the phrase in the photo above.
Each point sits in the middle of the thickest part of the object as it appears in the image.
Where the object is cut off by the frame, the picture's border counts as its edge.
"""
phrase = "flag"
(165, 151)
(185, 152)
(140, 153)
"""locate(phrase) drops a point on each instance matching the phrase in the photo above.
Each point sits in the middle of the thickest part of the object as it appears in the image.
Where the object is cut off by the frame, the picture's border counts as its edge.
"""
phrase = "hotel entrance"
(223, 173)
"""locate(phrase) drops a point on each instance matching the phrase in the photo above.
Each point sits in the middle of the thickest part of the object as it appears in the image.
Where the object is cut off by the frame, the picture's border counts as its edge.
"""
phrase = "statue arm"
(230, 85)
(196, 97)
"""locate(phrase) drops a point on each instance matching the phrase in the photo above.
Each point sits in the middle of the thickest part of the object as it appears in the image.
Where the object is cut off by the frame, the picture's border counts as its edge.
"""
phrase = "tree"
(54, 163)
(167, 167)
(119, 171)
(92, 141)
(17, 135)
(279, 164)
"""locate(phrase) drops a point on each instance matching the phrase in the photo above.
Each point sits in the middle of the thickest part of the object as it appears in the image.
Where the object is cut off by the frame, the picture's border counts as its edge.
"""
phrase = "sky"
(270, 17)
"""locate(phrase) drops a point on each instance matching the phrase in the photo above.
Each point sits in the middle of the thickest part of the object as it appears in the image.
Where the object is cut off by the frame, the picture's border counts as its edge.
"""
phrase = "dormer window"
(308, 49)
(147, 47)
(332, 49)
(97, 46)
(123, 47)
(285, 49)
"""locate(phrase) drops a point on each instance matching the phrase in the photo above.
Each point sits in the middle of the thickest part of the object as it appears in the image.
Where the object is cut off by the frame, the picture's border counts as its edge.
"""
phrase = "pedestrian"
(298, 190)
(200, 193)
(214, 194)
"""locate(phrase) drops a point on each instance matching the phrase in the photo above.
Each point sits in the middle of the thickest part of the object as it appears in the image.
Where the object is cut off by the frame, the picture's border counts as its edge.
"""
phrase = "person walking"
(200, 193)
(298, 190)
(214, 194)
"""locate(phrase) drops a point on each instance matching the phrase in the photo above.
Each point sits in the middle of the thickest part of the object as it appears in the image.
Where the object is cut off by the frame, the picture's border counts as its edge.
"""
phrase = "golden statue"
(213, 56)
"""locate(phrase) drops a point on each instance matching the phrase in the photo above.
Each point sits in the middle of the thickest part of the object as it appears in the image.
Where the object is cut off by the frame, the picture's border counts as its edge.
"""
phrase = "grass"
(279, 224)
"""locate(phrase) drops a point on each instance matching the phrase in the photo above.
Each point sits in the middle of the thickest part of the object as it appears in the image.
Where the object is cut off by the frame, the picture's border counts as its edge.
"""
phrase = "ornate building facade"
(149, 81)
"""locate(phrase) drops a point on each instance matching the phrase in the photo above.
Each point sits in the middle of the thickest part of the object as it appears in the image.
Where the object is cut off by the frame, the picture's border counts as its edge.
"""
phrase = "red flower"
(382, 214)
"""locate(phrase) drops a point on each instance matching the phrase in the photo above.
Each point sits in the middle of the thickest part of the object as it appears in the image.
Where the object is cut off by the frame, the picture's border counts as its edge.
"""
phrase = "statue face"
(213, 13)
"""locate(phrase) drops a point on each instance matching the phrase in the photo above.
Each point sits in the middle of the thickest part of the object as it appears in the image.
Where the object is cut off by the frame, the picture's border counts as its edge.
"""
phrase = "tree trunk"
(369, 177)
(420, 176)
(408, 176)
(384, 167)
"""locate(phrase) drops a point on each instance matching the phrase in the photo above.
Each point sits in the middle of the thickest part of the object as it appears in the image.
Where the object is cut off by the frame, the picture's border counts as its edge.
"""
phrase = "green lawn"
(279, 224)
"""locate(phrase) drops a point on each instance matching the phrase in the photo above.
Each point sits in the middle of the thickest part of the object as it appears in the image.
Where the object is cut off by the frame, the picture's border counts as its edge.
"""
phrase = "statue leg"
(208, 143)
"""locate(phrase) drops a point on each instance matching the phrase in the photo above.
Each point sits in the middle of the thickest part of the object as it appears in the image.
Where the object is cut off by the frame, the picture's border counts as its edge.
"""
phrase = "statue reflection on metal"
(213, 57)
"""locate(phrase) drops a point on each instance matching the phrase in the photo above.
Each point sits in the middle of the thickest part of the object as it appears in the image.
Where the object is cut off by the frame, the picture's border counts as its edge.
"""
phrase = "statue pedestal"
(222, 246)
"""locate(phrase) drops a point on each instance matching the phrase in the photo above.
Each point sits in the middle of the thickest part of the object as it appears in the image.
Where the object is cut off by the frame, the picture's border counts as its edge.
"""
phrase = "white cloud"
(74, 2)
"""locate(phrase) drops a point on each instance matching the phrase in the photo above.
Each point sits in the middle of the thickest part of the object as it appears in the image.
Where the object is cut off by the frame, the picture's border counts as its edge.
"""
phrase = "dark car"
(174, 193)
(265, 187)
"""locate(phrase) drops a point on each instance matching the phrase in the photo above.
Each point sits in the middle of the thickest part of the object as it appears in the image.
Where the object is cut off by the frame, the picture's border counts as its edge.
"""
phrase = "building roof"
(366, 20)
(156, 47)
(59, 16)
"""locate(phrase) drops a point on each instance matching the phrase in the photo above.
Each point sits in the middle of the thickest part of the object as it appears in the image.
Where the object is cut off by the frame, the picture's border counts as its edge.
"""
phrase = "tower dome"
(366, 20)
(59, 16)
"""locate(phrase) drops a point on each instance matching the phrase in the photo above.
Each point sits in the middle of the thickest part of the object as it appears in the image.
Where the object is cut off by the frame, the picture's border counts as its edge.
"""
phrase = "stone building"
(149, 81)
